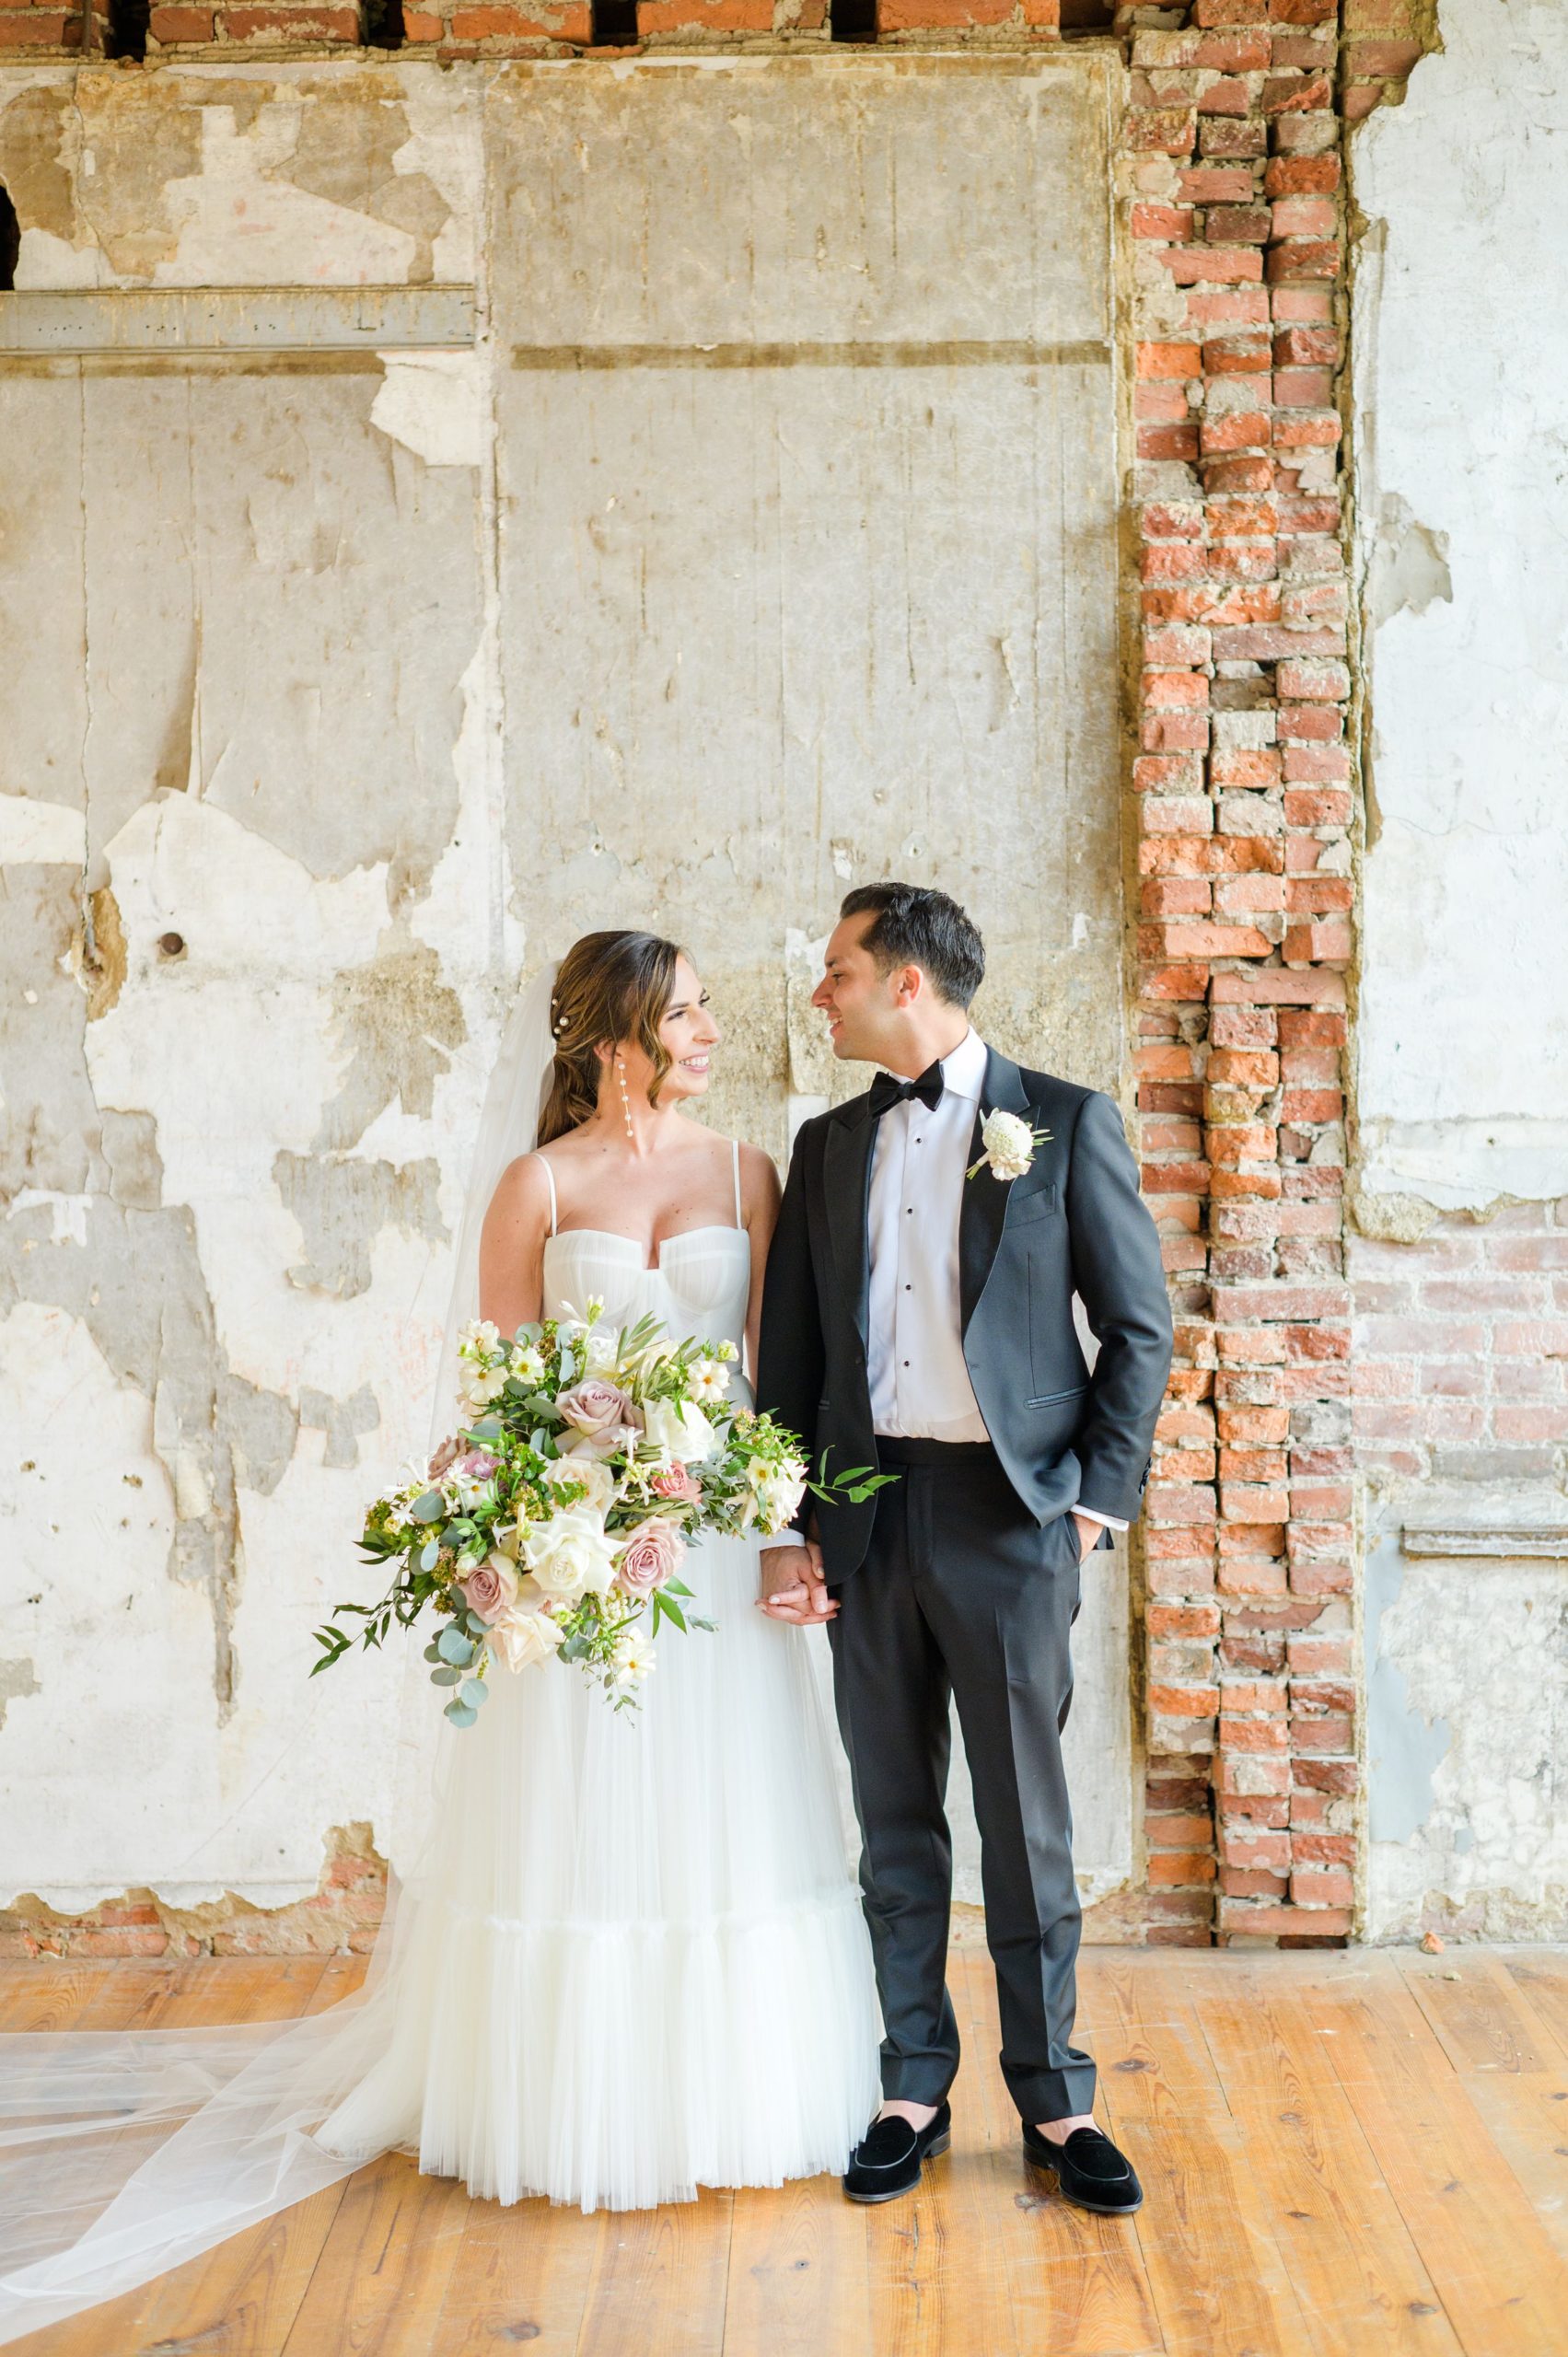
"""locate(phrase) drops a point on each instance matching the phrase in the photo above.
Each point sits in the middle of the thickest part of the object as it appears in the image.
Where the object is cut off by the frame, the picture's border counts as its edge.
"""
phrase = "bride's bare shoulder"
(759, 1178)
(522, 1191)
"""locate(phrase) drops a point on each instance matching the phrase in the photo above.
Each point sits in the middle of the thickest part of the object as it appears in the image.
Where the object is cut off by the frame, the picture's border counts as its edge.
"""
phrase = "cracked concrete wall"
(357, 684)
(1461, 1266)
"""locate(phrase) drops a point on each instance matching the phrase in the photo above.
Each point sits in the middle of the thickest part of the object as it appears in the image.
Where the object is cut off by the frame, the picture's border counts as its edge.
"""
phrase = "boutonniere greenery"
(1010, 1146)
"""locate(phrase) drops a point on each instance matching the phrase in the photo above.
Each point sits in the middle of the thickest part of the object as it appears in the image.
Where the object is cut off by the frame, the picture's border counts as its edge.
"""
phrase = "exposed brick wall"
(343, 1913)
(1461, 1352)
(1245, 781)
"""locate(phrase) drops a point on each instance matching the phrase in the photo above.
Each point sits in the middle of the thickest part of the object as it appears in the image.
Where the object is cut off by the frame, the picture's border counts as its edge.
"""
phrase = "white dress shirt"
(919, 1382)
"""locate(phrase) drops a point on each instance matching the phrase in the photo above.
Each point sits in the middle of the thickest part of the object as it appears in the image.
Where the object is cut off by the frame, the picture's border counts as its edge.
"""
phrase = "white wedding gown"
(632, 1963)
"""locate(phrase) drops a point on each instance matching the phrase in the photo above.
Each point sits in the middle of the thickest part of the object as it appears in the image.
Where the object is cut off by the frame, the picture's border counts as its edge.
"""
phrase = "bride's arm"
(759, 1205)
(511, 1246)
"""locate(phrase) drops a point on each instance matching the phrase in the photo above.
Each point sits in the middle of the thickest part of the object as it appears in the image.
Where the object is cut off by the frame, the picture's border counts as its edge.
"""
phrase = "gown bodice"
(700, 1288)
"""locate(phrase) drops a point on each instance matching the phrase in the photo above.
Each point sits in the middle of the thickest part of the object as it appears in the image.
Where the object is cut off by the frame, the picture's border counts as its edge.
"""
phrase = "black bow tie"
(886, 1091)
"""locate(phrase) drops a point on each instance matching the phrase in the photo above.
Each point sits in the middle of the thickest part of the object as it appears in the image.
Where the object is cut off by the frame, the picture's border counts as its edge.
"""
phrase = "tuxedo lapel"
(846, 1180)
(985, 1198)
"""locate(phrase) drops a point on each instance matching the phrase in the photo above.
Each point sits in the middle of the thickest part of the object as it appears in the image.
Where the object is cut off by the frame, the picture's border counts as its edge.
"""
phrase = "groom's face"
(861, 1003)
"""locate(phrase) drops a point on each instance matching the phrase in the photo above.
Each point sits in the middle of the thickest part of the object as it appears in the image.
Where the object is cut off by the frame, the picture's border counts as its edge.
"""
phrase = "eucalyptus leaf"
(432, 1652)
(430, 1555)
(476, 1627)
(428, 1508)
(489, 1430)
(473, 1693)
(454, 1646)
(445, 1676)
(461, 1714)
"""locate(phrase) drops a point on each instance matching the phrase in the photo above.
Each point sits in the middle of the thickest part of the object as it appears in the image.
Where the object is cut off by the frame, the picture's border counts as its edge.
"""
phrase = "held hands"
(792, 1584)
(793, 1587)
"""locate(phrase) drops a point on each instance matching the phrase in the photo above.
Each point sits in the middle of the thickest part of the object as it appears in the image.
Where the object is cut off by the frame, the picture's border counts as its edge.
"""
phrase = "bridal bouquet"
(552, 1525)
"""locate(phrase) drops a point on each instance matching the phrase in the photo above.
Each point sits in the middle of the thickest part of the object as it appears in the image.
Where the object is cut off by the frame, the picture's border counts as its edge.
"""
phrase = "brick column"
(1244, 780)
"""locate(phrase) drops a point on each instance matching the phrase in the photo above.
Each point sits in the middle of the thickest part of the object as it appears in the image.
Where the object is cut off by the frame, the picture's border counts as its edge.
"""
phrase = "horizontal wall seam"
(39, 323)
(943, 352)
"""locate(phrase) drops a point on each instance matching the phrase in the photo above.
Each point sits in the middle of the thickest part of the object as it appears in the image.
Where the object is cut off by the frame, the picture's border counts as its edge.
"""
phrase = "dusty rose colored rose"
(651, 1554)
(491, 1589)
(600, 1414)
(447, 1454)
(674, 1483)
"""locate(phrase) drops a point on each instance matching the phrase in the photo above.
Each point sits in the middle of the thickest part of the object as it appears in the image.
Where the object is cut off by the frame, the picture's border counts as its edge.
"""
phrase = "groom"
(918, 1316)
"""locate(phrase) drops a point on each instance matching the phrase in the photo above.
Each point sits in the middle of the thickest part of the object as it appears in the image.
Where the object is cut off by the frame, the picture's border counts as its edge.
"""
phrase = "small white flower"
(527, 1364)
(1009, 1143)
(479, 1338)
(633, 1658)
(481, 1391)
(710, 1378)
(777, 1491)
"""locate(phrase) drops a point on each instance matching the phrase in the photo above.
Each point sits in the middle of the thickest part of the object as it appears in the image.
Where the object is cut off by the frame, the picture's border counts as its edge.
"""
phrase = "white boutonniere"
(1010, 1146)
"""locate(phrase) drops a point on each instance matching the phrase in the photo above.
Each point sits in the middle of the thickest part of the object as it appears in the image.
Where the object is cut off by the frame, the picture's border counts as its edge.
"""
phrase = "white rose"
(598, 1351)
(595, 1480)
(522, 1637)
(568, 1554)
(680, 1431)
(1009, 1145)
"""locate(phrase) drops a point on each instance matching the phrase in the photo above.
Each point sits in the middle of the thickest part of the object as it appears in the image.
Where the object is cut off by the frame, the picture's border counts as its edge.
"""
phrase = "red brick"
(296, 24)
(168, 25)
(1169, 360)
(1162, 221)
(1226, 265)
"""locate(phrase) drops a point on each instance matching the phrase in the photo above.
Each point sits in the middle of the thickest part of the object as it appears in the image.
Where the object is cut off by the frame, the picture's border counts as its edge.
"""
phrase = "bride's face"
(688, 1032)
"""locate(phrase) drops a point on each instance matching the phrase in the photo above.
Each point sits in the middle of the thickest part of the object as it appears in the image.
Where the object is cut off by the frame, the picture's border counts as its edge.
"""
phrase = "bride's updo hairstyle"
(612, 986)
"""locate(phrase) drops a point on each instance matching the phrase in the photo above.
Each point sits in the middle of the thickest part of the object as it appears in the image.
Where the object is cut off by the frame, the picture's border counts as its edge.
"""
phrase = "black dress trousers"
(963, 1593)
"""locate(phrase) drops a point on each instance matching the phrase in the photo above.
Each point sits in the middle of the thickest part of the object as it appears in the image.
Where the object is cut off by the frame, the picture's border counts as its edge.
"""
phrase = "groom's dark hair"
(917, 926)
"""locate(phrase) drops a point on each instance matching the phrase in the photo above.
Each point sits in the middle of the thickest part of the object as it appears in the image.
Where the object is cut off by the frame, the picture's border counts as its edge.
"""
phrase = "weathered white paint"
(39, 833)
(1462, 449)
(366, 688)
(1462, 483)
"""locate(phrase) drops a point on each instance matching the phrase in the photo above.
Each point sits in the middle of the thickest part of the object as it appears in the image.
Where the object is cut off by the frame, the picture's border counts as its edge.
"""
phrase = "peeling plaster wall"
(1462, 431)
(357, 685)
(1461, 1267)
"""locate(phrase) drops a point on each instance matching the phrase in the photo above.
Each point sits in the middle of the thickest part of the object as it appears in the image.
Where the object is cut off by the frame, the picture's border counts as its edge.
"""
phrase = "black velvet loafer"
(1089, 2171)
(889, 2156)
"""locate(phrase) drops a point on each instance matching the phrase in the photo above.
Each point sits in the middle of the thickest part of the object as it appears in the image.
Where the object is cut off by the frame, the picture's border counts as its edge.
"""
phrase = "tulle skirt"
(636, 1963)
(630, 1964)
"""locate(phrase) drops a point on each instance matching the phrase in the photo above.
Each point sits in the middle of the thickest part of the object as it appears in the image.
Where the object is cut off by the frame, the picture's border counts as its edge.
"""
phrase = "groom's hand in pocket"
(792, 1587)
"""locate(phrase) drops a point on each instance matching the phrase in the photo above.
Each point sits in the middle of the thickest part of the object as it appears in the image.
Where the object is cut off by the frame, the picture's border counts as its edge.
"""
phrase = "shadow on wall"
(10, 242)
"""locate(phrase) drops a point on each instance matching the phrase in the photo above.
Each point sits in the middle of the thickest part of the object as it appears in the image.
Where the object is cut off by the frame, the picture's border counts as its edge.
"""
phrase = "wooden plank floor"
(1344, 2156)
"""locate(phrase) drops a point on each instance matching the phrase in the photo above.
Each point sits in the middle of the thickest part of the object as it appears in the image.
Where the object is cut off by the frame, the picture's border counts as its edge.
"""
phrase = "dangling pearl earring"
(625, 1100)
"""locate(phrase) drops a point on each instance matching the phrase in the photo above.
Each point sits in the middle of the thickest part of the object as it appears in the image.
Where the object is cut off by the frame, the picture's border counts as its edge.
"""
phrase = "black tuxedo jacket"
(1073, 1222)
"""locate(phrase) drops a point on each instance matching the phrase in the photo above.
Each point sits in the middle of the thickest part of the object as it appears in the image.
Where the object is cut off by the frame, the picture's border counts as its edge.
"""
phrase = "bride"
(590, 1986)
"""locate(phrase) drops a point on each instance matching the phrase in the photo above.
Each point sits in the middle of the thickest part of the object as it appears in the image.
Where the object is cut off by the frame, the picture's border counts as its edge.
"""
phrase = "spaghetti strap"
(735, 1165)
(549, 1177)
